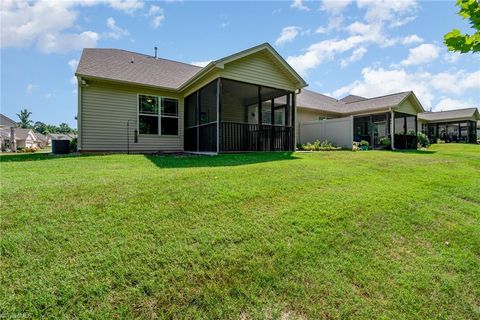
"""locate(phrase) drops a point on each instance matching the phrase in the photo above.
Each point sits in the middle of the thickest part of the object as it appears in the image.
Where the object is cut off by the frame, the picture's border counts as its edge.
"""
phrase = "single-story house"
(26, 138)
(252, 100)
(130, 101)
(451, 126)
(6, 125)
(372, 117)
(42, 140)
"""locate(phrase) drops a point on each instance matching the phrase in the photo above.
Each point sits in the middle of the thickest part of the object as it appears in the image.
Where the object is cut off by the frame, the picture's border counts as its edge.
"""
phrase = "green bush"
(364, 143)
(73, 145)
(319, 146)
(422, 140)
(385, 143)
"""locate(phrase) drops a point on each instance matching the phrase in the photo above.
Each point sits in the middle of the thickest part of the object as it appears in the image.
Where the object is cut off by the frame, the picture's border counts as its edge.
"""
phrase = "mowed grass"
(393, 235)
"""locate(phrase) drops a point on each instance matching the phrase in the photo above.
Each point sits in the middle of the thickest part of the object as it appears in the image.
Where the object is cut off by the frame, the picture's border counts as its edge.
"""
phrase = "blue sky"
(362, 47)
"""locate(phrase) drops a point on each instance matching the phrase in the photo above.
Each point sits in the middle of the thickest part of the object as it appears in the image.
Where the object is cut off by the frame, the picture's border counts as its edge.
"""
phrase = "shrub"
(319, 146)
(364, 143)
(422, 140)
(26, 150)
(385, 143)
(356, 146)
(73, 145)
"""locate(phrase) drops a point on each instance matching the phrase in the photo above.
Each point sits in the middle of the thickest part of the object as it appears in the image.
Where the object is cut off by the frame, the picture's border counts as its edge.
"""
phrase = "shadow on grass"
(221, 160)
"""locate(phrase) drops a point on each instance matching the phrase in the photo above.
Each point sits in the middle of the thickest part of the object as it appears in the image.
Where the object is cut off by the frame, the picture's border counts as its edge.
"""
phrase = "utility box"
(60, 146)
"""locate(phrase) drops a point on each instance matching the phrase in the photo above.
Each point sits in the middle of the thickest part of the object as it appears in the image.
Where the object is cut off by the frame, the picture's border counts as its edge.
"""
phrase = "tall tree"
(24, 117)
(64, 128)
(455, 40)
(40, 127)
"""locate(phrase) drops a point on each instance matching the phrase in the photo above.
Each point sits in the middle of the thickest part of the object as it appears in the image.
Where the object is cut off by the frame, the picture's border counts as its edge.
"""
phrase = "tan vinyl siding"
(258, 68)
(406, 107)
(105, 110)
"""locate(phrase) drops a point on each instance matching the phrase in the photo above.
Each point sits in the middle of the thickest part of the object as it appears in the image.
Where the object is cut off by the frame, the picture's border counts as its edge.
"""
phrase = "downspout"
(79, 113)
(392, 128)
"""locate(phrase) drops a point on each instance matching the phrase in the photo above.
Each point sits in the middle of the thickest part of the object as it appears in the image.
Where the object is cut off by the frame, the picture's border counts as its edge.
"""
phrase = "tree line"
(43, 128)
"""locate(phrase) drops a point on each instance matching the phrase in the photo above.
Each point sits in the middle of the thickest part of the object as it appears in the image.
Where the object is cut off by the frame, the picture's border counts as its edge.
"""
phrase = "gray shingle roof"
(381, 102)
(352, 98)
(312, 100)
(445, 115)
(6, 121)
(147, 70)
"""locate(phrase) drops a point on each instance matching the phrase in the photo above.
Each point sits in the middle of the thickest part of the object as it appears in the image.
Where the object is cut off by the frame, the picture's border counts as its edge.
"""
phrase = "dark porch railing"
(236, 136)
(405, 142)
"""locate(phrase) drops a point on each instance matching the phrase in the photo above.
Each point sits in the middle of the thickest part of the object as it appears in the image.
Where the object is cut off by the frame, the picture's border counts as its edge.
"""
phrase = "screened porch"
(233, 116)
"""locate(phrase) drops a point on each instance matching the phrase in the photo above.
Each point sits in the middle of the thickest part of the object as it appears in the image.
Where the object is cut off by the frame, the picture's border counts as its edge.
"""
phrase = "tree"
(455, 40)
(24, 117)
(40, 127)
(64, 128)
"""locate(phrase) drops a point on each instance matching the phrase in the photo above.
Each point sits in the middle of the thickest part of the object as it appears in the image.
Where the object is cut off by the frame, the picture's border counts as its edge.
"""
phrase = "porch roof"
(458, 114)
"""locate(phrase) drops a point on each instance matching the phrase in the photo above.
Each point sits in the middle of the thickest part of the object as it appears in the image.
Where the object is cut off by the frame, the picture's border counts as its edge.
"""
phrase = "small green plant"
(318, 145)
(422, 140)
(412, 133)
(73, 145)
(364, 145)
(385, 143)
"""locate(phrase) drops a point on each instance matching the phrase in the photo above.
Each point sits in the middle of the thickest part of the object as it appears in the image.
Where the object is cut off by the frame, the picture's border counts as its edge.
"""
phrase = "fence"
(339, 131)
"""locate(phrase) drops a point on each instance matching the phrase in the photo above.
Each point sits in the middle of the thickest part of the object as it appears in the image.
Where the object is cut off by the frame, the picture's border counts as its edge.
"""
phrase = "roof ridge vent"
(131, 60)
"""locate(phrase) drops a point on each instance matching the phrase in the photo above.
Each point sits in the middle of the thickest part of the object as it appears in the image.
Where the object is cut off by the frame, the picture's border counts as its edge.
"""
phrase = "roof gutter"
(109, 80)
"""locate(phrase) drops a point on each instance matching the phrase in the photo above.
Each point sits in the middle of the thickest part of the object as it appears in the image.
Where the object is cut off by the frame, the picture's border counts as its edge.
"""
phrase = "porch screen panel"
(191, 122)
(208, 118)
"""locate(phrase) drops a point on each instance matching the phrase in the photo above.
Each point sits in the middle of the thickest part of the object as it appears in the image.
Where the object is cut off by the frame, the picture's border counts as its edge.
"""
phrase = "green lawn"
(343, 234)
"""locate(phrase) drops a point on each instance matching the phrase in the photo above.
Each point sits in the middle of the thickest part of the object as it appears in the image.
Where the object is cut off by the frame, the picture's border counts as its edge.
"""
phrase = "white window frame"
(159, 115)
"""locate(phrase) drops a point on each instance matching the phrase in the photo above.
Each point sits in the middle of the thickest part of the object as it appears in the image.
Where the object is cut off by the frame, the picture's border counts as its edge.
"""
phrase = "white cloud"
(298, 4)
(157, 16)
(446, 103)
(452, 57)
(334, 9)
(201, 63)
(47, 24)
(321, 30)
(115, 31)
(427, 86)
(424, 53)
(288, 34)
(356, 55)
(73, 80)
(52, 42)
(392, 11)
(30, 88)
(411, 39)
(73, 64)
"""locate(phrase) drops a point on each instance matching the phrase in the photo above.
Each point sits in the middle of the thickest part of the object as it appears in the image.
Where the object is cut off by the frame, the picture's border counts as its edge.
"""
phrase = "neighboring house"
(6, 125)
(6, 122)
(451, 126)
(478, 130)
(59, 136)
(26, 138)
(136, 102)
(372, 117)
(42, 140)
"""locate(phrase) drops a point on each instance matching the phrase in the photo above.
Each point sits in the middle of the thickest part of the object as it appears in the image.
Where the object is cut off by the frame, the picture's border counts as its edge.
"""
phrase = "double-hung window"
(157, 115)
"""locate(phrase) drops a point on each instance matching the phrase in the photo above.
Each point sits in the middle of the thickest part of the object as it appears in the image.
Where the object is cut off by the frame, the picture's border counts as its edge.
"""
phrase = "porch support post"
(260, 129)
(287, 107)
(294, 125)
(219, 134)
(272, 122)
(198, 120)
(392, 129)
